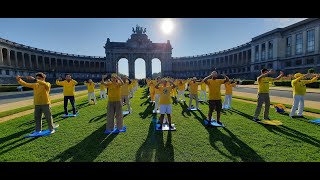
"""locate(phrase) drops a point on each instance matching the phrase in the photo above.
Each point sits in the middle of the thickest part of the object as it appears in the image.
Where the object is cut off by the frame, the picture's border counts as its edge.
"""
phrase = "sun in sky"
(167, 26)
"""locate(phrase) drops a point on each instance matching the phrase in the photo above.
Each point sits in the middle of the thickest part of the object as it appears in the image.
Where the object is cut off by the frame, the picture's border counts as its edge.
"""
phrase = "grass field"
(81, 139)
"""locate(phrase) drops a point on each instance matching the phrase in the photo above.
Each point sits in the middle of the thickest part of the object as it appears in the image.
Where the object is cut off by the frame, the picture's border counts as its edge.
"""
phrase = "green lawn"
(82, 138)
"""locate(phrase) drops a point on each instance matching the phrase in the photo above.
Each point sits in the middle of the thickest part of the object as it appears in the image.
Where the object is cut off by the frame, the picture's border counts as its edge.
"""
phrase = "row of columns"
(43, 60)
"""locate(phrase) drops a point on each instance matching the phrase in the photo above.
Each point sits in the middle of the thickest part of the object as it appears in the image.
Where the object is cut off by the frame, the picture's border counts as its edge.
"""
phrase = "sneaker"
(53, 131)
(267, 119)
(256, 119)
(171, 127)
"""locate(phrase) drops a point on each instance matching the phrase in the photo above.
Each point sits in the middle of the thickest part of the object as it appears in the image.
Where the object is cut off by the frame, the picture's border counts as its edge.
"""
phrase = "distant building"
(291, 49)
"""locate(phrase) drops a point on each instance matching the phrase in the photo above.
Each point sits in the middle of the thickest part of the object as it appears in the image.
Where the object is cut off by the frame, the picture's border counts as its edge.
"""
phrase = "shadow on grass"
(245, 115)
(88, 149)
(236, 147)
(184, 107)
(145, 93)
(97, 118)
(154, 144)
(147, 112)
(16, 136)
(292, 134)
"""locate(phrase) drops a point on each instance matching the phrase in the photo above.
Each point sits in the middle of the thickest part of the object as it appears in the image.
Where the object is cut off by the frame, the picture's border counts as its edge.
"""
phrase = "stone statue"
(133, 30)
(145, 30)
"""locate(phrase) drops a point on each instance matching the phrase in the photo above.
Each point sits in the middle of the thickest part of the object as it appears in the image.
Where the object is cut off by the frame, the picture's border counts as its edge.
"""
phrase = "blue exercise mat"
(69, 115)
(42, 133)
(165, 127)
(193, 109)
(317, 121)
(213, 123)
(115, 130)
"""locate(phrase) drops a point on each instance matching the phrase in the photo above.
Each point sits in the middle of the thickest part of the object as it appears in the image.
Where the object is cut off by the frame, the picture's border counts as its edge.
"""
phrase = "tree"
(155, 75)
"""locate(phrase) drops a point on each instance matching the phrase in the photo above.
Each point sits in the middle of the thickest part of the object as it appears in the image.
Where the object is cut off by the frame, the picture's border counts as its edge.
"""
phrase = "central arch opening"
(123, 66)
(156, 68)
(140, 68)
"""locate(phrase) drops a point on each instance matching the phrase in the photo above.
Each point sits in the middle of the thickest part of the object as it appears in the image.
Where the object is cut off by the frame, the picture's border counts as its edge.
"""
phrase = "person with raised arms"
(41, 100)
(214, 85)
(68, 92)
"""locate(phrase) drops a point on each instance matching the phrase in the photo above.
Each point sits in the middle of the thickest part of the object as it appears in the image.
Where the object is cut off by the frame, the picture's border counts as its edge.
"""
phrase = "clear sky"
(87, 36)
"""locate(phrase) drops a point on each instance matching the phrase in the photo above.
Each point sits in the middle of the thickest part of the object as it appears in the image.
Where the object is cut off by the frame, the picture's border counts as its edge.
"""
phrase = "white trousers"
(91, 94)
(298, 103)
(156, 103)
(103, 93)
(203, 95)
(180, 93)
(227, 100)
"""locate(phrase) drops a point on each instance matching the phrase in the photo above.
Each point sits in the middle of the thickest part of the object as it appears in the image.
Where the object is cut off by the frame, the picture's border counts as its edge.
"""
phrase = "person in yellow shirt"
(203, 91)
(214, 86)
(68, 92)
(228, 94)
(263, 93)
(181, 84)
(299, 90)
(125, 92)
(151, 90)
(41, 91)
(157, 96)
(102, 90)
(114, 108)
(193, 92)
(165, 100)
(91, 94)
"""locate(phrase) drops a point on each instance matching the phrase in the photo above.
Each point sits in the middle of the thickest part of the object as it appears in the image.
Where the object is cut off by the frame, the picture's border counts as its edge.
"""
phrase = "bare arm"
(172, 84)
(121, 82)
(23, 83)
(205, 80)
(157, 85)
(226, 78)
(263, 75)
(280, 75)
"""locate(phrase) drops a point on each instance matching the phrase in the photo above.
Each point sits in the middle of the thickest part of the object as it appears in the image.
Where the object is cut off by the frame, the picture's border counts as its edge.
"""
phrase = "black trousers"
(71, 98)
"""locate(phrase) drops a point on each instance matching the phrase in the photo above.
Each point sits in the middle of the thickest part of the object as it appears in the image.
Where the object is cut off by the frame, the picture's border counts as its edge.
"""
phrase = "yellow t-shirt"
(229, 88)
(157, 91)
(299, 86)
(203, 86)
(68, 87)
(263, 84)
(214, 88)
(125, 88)
(152, 87)
(41, 91)
(102, 87)
(90, 87)
(193, 87)
(165, 97)
(114, 91)
(181, 85)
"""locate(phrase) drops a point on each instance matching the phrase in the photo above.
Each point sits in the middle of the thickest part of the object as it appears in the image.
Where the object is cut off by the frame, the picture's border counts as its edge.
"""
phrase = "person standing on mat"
(214, 86)
(125, 92)
(228, 94)
(68, 92)
(263, 93)
(91, 94)
(165, 100)
(299, 90)
(114, 108)
(181, 88)
(102, 90)
(193, 92)
(41, 91)
(157, 96)
(203, 91)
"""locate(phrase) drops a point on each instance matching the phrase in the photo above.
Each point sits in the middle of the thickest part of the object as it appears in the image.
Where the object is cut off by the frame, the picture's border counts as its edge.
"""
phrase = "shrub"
(247, 82)
(8, 88)
(282, 83)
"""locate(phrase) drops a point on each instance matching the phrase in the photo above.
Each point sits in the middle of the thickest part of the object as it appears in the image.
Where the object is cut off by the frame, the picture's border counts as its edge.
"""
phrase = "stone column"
(1, 57)
(16, 58)
(304, 43)
(23, 60)
(148, 68)
(317, 40)
(30, 62)
(37, 63)
(131, 69)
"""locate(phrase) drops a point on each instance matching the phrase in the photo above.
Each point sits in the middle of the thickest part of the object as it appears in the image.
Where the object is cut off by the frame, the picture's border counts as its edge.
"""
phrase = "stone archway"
(138, 46)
